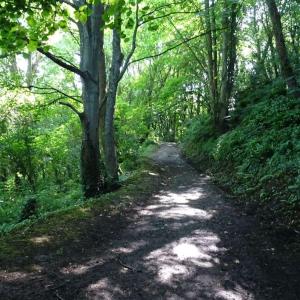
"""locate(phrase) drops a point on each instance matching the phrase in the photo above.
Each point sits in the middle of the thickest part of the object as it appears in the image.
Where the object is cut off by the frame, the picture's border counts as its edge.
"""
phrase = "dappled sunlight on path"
(175, 247)
(171, 250)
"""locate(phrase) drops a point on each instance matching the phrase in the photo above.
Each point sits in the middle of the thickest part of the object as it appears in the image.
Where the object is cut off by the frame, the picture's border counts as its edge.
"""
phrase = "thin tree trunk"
(228, 64)
(211, 54)
(102, 94)
(111, 161)
(215, 50)
(273, 56)
(261, 72)
(286, 67)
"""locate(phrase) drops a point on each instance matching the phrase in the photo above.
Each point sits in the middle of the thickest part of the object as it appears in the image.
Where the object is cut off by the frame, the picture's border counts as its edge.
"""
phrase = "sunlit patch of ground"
(181, 259)
(11, 276)
(107, 290)
(41, 239)
(79, 269)
(173, 205)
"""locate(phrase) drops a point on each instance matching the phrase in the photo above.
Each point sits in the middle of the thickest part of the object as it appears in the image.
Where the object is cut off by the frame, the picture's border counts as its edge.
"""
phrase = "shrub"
(258, 160)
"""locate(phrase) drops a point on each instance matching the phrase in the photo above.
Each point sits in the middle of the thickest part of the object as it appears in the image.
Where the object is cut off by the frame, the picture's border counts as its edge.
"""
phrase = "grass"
(54, 231)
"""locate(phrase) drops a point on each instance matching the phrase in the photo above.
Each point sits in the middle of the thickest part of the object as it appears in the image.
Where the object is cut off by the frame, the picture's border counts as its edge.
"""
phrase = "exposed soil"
(186, 241)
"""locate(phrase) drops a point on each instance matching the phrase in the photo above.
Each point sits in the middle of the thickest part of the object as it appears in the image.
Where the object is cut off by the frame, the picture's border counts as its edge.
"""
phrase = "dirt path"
(187, 242)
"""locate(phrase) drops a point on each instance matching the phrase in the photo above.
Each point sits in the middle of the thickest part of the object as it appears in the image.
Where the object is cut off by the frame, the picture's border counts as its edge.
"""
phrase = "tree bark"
(228, 64)
(111, 161)
(102, 94)
(91, 39)
(286, 67)
(211, 53)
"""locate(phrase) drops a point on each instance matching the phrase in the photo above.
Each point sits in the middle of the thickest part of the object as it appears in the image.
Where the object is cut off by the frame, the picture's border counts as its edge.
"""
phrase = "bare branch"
(186, 43)
(57, 100)
(61, 63)
(73, 20)
(75, 38)
(66, 61)
(53, 101)
(53, 90)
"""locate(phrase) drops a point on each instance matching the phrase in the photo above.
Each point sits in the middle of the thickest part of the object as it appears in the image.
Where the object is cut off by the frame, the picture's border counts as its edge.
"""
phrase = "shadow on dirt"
(186, 242)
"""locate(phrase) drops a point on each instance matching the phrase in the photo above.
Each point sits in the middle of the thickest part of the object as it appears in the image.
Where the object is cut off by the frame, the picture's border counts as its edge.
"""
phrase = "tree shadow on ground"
(187, 243)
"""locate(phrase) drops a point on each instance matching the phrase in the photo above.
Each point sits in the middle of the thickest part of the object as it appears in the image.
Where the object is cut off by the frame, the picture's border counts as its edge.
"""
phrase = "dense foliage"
(258, 159)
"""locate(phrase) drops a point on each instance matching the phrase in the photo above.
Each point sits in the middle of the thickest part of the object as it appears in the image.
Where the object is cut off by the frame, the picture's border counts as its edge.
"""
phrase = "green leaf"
(130, 23)
(32, 45)
(153, 27)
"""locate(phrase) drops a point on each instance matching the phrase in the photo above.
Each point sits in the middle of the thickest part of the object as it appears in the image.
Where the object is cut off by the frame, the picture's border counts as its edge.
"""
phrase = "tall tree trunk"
(211, 53)
(111, 161)
(102, 94)
(228, 63)
(91, 39)
(215, 50)
(273, 54)
(286, 67)
(260, 67)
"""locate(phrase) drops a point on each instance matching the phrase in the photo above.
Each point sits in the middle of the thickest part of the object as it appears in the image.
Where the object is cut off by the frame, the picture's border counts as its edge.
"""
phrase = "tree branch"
(61, 63)
(173, 47)
(53, 101)
(75, 38)
(162, 7)
(187, 44)
(65, 60)
(80, 114)
(133, 46)
(54, 90)
(73, 20)
(73, 108)
(57, 100)
(167, 15)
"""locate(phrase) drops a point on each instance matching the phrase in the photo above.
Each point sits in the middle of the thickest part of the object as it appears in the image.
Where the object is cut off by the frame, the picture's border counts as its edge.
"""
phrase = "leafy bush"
(49, 198)
(199, 140)
(258, 160)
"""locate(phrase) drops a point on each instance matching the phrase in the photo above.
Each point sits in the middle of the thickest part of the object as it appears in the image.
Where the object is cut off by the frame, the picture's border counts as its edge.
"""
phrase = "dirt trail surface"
(186, 242)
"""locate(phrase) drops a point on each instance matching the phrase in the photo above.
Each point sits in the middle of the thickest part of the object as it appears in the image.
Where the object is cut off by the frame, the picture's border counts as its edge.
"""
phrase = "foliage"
(259, 159)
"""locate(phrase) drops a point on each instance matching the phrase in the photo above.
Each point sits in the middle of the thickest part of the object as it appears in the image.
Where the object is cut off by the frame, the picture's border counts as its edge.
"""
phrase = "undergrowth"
(52, 198)
(258, 160)
(57, 229)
